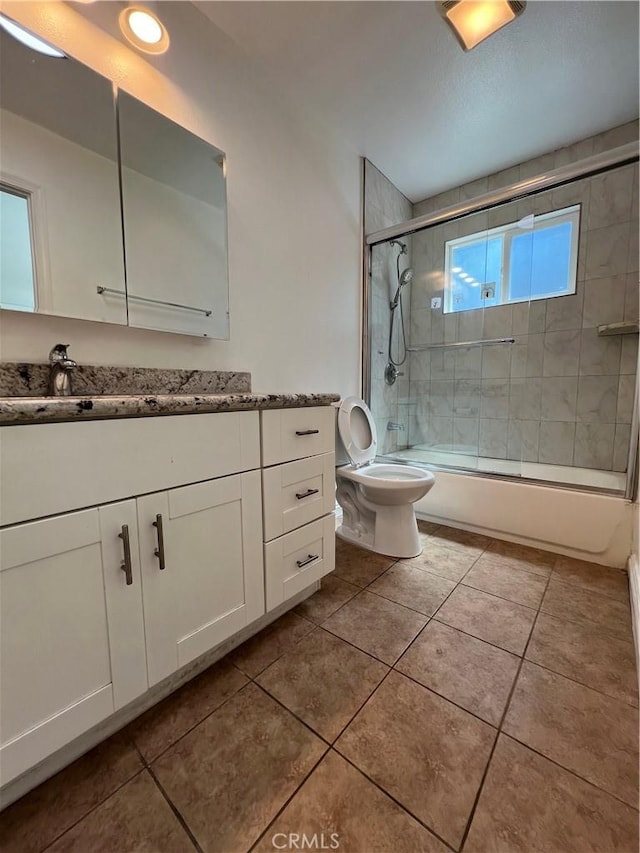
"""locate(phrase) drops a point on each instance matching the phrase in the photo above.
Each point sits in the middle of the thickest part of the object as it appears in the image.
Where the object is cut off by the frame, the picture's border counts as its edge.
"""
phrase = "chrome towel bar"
(485, 343)
(207, 312)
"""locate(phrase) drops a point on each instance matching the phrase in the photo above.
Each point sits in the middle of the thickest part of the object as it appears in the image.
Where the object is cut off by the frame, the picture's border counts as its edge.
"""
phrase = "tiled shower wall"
(384, 206)
(561, 394)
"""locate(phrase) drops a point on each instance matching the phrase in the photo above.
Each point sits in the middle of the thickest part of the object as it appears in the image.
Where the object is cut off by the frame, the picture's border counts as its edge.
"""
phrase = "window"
(535, 258)
(17, 284)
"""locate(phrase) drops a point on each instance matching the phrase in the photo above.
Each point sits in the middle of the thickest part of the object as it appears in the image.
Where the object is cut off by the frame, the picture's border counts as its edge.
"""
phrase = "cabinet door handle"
(126, 563)
(307, 431)
(307, 494)
(310, 559)
(159, 552)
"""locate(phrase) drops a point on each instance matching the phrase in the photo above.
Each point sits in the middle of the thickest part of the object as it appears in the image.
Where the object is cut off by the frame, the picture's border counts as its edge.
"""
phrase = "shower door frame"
(515, 191)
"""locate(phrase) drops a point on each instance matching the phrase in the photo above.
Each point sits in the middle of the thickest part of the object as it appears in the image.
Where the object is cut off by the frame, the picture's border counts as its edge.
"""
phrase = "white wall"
(294, 211)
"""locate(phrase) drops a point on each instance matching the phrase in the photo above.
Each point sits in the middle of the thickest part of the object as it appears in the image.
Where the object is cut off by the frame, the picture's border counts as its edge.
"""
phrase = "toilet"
(376, 498)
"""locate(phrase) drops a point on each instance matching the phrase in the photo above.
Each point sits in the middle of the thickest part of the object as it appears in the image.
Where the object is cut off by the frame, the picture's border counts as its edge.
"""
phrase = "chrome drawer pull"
(310, 559)
(159, 552)
(307, 494)
(307, 431)
(126, 563)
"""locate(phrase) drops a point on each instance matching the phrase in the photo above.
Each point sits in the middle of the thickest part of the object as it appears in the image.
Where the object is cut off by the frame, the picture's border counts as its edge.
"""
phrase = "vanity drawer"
(297, 493)
(293, 562)
(289, 434)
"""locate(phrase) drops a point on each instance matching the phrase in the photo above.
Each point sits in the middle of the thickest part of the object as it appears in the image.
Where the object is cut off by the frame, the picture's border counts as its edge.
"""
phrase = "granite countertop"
(105, 391)
(29, 410)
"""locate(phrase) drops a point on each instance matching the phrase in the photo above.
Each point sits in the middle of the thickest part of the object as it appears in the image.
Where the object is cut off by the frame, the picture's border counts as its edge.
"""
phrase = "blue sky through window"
(482, 261)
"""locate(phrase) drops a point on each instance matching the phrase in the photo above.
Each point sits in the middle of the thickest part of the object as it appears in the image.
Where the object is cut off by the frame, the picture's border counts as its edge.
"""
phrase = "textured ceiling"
(392, 78)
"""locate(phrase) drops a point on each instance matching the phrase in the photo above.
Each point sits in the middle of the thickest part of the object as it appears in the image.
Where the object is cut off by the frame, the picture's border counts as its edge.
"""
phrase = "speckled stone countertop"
(30, 410)
(132, 392)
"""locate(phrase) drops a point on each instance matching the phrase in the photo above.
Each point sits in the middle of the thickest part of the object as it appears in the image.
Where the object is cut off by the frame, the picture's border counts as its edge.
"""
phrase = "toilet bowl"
(376, 498)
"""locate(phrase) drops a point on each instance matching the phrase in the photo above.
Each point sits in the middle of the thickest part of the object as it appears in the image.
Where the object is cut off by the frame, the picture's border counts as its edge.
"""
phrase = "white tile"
(597, 399)
(525, 397)
(604, 300)
(493, 438)
(556, 443)
(607, 251)
(626, 395)
(495, 398)
(561, 353)
(594, 446)
(621, 447)
(559, 394)
(496, 361)
(611, 197)
(599, 354)
(565, 312)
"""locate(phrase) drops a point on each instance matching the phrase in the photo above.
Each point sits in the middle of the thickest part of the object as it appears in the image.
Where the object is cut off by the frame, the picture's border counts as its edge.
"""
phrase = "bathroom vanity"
(134, 545)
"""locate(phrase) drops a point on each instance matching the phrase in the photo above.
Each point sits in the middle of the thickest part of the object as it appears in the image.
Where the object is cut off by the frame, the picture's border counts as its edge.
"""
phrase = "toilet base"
(394, 532)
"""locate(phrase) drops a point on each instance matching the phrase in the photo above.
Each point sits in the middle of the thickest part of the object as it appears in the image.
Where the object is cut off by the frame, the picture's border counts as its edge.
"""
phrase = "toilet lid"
(357, 430)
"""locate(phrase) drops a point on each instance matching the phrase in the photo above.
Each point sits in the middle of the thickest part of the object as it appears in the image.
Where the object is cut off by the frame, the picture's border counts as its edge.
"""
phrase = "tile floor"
(481, 697)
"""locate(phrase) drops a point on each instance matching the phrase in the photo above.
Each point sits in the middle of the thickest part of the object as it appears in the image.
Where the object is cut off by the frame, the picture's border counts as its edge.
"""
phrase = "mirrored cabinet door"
(175, 224)
(60, 223)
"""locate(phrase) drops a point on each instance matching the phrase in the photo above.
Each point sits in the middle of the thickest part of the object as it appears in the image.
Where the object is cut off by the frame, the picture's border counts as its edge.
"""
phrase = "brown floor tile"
(426, 528)
(495, 620)
(591, 734)
(162, 725)
(415, 588)
(598, 660)
(568, 601)
(358, 566)
(137, 817)
(461, 540)
(467, 671)
(450, 563)
(43, 814)
(324, 681)
(333, 593)
(339, 804)
(593, 577)
(268, 645)
(377, 626)
(522, 557)
(529, 804)
(424, 751)
(506, 582)
(229, 776)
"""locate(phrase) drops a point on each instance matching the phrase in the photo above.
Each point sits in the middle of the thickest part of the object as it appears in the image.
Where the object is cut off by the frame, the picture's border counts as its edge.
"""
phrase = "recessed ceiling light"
(29, 39)
(144, 30)
(456, 269)
(473, 21)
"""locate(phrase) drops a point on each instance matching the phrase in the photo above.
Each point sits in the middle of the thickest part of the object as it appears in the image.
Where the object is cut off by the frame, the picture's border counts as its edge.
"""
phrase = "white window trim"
(507, 232)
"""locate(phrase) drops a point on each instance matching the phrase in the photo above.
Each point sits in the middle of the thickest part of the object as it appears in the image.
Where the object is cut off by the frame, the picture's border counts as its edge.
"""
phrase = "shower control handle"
(307, 431)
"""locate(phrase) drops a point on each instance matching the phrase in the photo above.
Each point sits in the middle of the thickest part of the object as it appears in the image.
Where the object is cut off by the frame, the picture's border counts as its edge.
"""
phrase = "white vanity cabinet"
(298, 499)
(71, 630)
(200, 549)
(129, 548)
(81, 637)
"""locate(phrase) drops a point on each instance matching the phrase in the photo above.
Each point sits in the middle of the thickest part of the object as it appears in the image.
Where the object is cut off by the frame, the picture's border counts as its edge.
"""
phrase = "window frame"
(571, 214)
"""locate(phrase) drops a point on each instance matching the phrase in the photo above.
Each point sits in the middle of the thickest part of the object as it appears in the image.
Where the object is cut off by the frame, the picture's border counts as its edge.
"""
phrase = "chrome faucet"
(60, 373)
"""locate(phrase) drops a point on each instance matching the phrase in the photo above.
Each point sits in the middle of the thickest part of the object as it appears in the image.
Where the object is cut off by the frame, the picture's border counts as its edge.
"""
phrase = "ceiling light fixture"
(144, 30)
(473, 21)
(29, 39)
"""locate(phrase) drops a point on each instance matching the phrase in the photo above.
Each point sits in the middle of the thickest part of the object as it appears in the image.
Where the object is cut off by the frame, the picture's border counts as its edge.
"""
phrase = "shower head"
(403, 279)
(403, 246)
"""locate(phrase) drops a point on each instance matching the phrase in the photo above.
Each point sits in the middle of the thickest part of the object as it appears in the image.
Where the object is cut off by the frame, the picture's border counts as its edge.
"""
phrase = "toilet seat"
(357, 430)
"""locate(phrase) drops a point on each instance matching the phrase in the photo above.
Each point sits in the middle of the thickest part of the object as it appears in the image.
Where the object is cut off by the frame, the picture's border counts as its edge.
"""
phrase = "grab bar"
(207, 312)
(486, 343)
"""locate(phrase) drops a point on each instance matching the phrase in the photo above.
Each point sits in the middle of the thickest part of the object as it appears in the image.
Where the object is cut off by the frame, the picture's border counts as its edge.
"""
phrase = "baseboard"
(633, 568)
